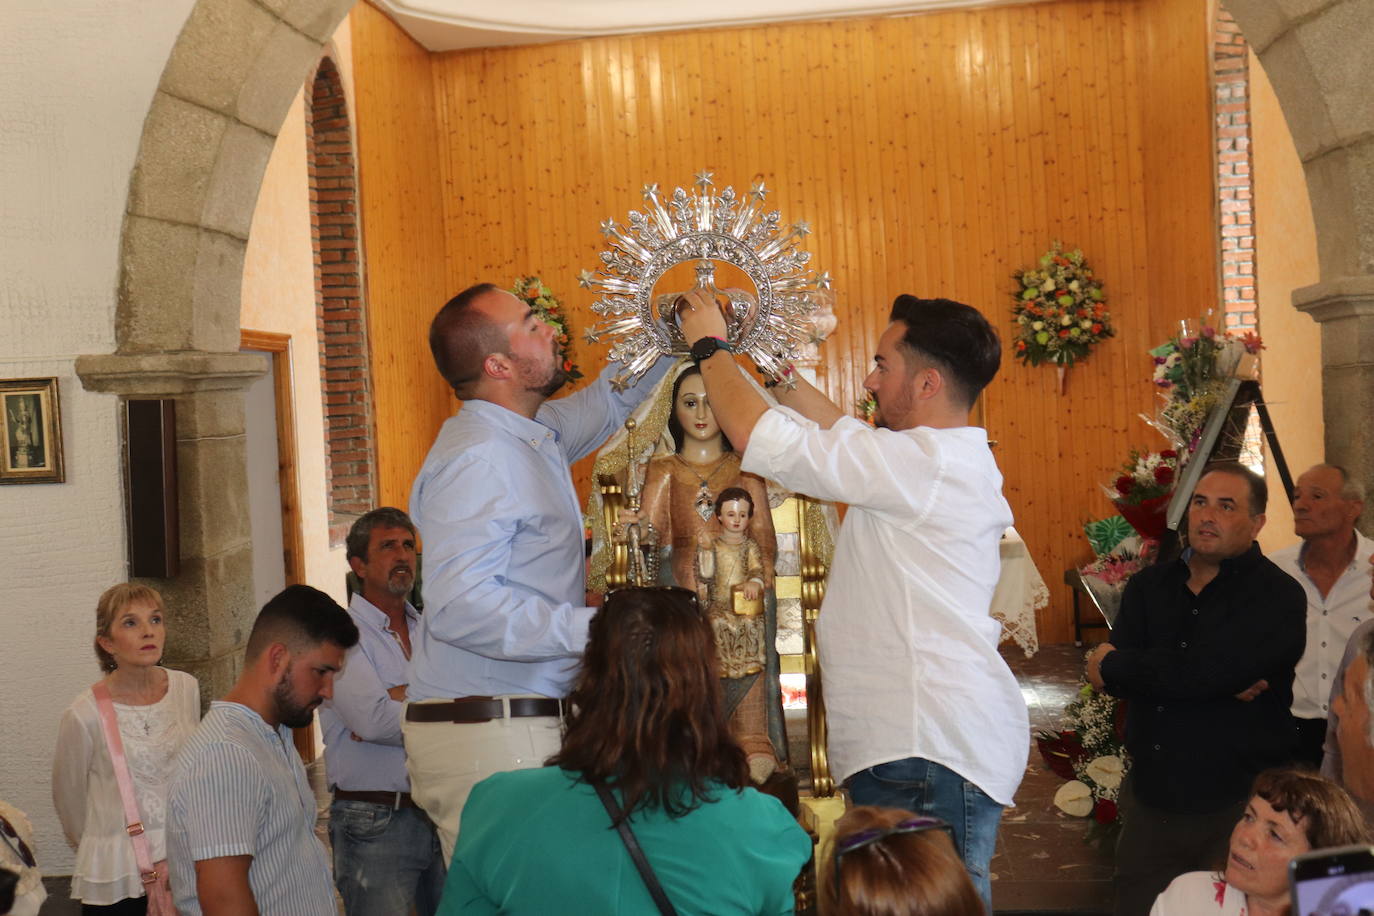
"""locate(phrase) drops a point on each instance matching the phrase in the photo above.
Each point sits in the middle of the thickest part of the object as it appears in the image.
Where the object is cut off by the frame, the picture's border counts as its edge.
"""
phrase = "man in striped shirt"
(241, 815)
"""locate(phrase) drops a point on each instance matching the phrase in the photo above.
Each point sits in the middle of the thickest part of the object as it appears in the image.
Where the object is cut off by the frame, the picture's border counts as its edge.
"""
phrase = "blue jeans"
(385, 859)
(928, 788)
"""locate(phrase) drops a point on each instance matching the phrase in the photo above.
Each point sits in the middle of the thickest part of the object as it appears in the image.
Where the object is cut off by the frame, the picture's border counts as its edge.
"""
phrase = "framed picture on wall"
(30, 431)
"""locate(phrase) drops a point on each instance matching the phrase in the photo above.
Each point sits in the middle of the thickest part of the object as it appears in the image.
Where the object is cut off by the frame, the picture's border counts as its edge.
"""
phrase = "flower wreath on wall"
(1060, 312)
(533, 292)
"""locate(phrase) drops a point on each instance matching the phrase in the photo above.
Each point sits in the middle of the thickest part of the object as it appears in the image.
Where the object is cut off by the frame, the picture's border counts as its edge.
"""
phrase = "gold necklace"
(705, 502)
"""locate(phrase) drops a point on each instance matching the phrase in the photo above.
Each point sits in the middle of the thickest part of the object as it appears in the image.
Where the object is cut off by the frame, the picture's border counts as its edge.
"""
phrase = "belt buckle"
(134, 829)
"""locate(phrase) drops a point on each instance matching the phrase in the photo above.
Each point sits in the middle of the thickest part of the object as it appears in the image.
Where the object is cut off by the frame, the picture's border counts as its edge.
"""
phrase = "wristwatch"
(704, 348)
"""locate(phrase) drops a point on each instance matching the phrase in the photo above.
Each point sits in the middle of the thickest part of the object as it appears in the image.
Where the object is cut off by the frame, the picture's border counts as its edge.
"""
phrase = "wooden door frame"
(278, 348)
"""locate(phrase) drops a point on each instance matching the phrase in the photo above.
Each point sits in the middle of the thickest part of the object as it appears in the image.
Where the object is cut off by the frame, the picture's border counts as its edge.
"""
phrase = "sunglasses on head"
(18, 845)
(852, 842)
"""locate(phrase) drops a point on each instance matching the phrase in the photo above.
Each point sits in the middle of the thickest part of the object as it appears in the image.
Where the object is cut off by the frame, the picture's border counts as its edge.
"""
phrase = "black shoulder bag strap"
(665, 906)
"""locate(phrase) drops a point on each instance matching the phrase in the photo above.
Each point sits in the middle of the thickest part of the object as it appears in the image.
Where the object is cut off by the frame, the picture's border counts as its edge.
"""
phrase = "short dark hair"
(675, 426)
(300, 617)
(732, 493)
(1259, 490)
(646, 710)
(461, 338)
(360, 534)
(952, 337)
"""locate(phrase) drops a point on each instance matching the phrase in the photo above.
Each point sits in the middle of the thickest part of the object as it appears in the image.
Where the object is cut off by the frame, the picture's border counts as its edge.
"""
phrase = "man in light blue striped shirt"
(241, 816)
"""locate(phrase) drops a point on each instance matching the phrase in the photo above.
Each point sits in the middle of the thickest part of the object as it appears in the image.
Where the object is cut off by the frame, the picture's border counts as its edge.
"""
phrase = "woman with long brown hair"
(645, 726)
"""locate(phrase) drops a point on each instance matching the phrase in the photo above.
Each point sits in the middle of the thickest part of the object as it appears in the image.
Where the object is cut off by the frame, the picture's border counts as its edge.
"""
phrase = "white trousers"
(446, 759)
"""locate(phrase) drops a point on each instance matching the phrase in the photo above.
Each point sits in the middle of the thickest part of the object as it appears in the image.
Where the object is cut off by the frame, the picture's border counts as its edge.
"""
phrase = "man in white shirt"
(923, 712)
(1330, 563)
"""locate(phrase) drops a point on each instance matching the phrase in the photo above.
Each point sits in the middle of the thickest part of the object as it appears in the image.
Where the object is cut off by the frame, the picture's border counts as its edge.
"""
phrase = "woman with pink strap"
(115, 748)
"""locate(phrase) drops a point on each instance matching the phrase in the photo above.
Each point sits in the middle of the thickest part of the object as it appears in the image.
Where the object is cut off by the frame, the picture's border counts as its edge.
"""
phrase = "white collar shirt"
(1330, 622)
(908, 648)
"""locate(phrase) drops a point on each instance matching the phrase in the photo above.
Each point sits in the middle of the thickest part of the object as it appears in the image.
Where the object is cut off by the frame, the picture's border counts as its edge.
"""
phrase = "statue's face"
(734, 515)
(693, 411)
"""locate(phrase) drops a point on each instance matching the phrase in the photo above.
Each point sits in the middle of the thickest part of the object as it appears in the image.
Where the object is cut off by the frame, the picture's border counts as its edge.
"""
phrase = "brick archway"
(226, 88)
(345, 382)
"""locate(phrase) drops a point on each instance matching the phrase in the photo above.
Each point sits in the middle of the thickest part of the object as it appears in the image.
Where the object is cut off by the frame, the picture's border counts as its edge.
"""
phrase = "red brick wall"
(1233, 173)
(340, 323)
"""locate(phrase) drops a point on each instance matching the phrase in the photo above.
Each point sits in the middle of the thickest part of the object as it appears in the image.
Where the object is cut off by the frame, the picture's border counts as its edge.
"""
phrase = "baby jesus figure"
(730, 578)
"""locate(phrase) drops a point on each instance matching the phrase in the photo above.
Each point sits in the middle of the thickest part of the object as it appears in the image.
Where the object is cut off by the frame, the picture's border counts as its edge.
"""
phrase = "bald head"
(1326, 503)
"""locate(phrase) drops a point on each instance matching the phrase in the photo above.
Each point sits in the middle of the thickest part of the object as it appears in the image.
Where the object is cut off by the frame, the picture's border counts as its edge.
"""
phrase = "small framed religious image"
(30, 431)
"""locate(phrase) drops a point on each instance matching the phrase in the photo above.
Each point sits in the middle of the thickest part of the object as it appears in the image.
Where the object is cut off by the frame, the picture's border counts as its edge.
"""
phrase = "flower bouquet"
(1191, 369)
(533, 292)
(1141, 492)
(1060, 312)
(1105, 577)
(1090, 753)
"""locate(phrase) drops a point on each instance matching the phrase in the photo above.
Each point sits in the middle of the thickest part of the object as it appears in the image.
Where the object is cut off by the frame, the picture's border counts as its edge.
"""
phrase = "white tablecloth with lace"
(1020, 591)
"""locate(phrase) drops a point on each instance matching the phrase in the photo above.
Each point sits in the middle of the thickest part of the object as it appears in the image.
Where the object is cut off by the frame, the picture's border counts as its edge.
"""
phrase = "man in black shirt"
(1204, 650)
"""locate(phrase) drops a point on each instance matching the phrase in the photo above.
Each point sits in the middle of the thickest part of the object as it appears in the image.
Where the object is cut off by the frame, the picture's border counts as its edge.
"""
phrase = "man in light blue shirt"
(506, 616)
(387, 857)
(240, 813)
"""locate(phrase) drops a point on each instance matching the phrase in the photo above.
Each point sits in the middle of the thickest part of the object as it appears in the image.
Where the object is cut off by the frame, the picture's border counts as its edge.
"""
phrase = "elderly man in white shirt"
(924, 713)
(1330, 563)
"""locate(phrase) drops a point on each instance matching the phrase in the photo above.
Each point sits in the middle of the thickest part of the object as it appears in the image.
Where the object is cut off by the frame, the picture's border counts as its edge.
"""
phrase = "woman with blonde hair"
(115, 747)
(891, 862)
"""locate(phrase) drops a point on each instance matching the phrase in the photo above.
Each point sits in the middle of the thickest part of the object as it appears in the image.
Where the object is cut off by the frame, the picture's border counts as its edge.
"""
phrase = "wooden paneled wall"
(402, 205)
(931, 154)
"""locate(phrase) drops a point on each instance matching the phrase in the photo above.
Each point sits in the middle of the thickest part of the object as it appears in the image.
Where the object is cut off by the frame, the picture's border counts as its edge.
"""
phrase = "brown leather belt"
(390, 799)
(482, 709)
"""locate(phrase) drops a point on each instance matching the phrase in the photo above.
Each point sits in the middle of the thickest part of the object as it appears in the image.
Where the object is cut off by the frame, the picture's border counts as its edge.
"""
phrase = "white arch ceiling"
(449, 25)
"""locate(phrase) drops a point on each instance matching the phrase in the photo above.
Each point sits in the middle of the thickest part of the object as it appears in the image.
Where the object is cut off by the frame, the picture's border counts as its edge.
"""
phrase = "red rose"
(1168, 453)
(1124, 484)
(567, 365)
(1105, 811)
(1164, 475)
(1064, 333)
(1097, 329)
(1020, 345)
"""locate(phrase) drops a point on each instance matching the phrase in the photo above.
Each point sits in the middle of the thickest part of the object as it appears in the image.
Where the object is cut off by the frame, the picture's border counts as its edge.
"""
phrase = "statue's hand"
(698, 316)
(624, 518)
(752, 590)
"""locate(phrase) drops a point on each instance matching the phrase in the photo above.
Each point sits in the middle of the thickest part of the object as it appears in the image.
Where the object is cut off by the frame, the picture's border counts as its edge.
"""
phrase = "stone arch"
(345, 381)
(1317, 55)
(227, 85)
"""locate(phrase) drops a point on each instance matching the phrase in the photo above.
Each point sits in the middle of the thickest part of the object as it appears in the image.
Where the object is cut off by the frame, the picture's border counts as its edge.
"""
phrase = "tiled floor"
(1042, 863)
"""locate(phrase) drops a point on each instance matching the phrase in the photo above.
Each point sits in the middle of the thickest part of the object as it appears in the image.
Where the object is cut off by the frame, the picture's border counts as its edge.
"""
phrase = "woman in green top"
(645, 720)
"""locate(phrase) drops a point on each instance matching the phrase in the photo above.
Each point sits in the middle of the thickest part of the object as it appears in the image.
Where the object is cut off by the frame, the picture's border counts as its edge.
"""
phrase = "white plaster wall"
(73, 99)
(1285, 260)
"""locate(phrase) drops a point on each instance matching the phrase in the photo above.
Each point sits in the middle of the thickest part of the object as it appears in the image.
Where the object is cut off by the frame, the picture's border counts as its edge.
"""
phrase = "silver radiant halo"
(769, 324)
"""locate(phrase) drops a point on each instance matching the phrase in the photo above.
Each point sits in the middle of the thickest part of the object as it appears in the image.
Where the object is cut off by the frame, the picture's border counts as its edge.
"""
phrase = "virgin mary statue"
(687, 463)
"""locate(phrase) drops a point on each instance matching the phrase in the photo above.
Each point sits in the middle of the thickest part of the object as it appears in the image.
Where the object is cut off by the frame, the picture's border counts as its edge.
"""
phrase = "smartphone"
(1333, 882)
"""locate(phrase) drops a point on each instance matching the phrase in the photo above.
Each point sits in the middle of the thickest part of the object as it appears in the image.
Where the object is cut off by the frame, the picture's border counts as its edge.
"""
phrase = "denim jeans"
(385, 859)
(928, 788)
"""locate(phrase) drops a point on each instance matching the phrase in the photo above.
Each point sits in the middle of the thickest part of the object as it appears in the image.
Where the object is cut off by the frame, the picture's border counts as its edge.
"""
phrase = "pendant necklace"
(706, 501)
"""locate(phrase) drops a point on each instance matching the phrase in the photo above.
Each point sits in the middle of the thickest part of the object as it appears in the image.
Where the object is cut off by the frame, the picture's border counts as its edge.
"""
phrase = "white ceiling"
(449, 25)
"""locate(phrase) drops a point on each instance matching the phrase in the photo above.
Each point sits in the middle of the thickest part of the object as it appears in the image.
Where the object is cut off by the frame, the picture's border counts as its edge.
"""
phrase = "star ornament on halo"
(707, 227)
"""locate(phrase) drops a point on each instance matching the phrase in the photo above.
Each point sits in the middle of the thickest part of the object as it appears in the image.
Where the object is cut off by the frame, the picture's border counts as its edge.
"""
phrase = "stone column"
(210, 601)
(1344, 308)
